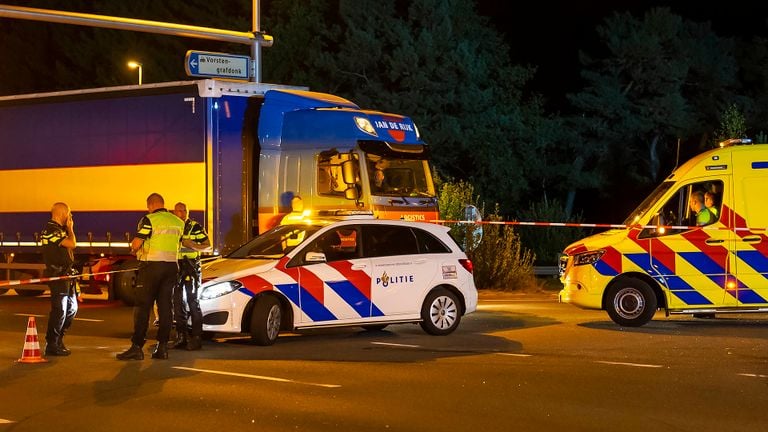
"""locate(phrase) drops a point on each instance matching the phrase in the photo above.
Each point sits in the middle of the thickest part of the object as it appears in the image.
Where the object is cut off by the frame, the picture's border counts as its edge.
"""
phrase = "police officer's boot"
(161, 351)
(194, 343)
(62, 347)
(133, 353)
(181, 340)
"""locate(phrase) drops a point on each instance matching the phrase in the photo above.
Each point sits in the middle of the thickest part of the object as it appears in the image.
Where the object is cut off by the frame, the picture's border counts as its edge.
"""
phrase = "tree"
(659, 79)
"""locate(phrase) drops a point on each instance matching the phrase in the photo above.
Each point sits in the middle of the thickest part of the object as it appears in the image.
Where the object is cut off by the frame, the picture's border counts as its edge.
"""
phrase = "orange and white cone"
(31, 353)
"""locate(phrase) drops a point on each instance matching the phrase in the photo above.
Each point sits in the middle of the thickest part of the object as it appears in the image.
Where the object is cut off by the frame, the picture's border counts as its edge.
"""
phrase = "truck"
(242, 156)
(667, 258)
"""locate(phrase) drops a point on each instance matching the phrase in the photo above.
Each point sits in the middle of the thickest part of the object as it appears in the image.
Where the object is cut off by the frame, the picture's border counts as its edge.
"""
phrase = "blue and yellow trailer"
(667, 258)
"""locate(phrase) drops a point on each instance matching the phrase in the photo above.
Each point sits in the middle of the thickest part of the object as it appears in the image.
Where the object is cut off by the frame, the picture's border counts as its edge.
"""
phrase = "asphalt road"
(521, 363)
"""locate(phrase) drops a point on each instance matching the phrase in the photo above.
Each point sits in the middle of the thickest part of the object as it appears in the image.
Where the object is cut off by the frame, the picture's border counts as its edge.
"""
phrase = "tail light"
(467, 264)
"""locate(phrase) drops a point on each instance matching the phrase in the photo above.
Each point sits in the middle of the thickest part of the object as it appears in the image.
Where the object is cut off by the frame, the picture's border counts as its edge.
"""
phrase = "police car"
(356, 272)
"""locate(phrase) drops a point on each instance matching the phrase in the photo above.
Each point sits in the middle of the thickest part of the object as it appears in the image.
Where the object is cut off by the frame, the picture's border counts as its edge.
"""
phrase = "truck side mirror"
(351, 193)
(349, 172)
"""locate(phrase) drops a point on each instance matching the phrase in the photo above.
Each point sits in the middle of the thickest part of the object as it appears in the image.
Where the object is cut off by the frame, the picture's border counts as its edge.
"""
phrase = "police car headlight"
(587, 258)
(219, 289)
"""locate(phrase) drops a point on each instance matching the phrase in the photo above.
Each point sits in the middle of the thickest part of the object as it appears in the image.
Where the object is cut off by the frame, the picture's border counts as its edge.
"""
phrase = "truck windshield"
(275, 243)
(647, 203)
(399, 177)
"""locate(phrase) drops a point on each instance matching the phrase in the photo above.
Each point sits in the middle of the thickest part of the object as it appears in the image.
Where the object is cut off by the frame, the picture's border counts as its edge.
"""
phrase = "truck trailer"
(242, 156)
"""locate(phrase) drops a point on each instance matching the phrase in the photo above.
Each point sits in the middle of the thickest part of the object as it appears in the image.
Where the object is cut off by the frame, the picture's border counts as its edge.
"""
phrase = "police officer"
(58, 242)
(189, 282)
(156, 245)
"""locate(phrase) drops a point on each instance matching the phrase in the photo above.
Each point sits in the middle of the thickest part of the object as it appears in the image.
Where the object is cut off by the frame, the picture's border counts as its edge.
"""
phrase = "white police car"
(359, 272)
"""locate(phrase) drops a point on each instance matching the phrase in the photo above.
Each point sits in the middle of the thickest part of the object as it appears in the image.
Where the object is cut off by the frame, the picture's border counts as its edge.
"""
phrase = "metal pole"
(256, 45)
(104, 21)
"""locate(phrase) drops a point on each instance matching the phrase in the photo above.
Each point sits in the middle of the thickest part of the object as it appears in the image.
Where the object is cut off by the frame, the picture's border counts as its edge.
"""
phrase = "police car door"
(334, 279)
(401, 275)
(692, 262)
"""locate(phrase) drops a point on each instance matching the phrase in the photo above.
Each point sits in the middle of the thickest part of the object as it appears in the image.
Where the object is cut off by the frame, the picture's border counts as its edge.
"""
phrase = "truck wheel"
(440, 313)
(125, 285)
(29, 292)
(631, 302)
(265, 321)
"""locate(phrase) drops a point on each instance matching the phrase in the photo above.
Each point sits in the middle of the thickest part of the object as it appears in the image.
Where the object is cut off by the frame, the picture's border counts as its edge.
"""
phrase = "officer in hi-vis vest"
(156, 245)
(190, 275)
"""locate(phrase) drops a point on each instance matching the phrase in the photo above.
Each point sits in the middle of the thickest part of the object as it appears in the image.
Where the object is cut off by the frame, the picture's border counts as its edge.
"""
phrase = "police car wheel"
(440, 313)
(265, 321)
(631, 302)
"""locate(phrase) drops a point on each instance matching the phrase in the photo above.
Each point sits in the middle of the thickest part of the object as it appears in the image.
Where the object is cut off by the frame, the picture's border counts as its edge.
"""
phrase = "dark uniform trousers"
(189, 283)
(63, 310)
(154, 282)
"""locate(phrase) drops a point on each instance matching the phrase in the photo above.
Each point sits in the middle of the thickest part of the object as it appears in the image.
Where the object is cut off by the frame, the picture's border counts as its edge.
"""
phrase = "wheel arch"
(286, 322)
(661, 299)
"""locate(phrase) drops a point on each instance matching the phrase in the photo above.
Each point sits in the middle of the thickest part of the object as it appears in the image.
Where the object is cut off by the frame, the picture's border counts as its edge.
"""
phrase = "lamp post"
(136, 65)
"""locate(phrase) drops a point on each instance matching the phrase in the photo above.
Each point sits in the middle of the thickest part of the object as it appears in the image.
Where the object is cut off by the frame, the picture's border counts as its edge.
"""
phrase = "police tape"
(598, 225)
(5, 283)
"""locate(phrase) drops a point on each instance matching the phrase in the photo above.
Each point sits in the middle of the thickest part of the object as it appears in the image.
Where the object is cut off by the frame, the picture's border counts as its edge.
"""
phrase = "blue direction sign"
(217, 65)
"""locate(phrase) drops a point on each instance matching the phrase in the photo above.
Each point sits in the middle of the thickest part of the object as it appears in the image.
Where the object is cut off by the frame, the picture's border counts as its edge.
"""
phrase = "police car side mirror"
(314, 257)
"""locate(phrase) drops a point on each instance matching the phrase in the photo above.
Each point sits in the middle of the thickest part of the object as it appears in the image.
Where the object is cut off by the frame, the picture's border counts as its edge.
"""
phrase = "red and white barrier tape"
(593, 225)
(54, 278)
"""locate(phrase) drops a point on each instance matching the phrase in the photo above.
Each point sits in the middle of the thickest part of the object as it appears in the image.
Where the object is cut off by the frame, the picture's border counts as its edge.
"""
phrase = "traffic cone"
(31, 353)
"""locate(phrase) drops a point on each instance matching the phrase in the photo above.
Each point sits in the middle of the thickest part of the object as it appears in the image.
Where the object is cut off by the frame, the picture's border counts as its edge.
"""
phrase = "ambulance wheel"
(265, 321)
(440, 313)
(631, 302)
(375, 327)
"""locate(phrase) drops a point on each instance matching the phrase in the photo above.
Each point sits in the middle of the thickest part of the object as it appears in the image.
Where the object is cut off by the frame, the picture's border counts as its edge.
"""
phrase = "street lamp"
(135, 65)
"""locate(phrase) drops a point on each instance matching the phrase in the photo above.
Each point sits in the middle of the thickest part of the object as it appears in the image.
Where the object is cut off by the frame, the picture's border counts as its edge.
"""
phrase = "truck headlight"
(219, 289)
(586, 258)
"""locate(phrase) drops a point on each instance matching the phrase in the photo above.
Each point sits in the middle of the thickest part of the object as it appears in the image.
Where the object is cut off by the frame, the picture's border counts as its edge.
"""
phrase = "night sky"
(550, 33)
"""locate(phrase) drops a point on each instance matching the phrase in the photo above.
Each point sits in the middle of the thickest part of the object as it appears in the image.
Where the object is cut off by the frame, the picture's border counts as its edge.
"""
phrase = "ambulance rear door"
(749, 214)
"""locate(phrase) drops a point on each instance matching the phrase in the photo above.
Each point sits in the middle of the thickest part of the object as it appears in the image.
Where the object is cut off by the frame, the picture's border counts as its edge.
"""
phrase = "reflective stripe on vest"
(163, 244)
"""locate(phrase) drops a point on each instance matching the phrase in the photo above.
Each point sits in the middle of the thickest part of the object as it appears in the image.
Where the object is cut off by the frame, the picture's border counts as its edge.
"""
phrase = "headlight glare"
(219, 289)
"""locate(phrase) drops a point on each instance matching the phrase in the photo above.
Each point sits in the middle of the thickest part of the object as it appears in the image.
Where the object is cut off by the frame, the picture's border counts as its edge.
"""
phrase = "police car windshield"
(647, 203)
(275, 243)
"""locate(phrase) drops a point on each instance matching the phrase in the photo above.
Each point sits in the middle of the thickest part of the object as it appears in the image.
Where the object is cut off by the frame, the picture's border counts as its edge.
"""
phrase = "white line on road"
(753, 375)
(630, 364)
(4, 421)
(29, 315)
(261, 377)
(396, 345)
(514, 354)
(88, 319)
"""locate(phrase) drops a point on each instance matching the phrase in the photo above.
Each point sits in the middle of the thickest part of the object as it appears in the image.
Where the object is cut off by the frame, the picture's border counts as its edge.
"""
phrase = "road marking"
(88, 319)
(396, 345)
(514, 354)
(261, 377)
(4, 421)
(753, 375)
(29, 315)
(630, 364)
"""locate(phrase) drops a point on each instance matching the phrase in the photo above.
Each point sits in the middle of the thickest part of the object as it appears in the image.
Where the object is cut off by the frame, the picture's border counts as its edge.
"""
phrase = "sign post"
(217, 65)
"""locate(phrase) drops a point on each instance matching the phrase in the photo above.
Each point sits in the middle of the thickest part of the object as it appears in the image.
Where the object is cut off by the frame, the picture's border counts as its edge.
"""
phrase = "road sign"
(218, 65)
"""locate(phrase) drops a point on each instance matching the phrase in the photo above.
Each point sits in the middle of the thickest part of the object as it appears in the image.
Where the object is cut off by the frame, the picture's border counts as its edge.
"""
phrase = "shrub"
(548, 242)
(500, 261)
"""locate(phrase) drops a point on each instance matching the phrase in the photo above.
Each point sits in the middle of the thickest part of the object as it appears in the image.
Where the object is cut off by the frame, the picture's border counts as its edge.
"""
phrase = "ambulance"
(664, 259)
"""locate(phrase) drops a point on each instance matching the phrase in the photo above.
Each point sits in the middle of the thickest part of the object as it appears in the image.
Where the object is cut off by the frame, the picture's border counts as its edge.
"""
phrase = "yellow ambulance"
(670, 256)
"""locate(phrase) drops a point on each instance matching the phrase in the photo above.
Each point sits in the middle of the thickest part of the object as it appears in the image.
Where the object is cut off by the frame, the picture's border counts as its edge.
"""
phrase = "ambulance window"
(688, 208)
